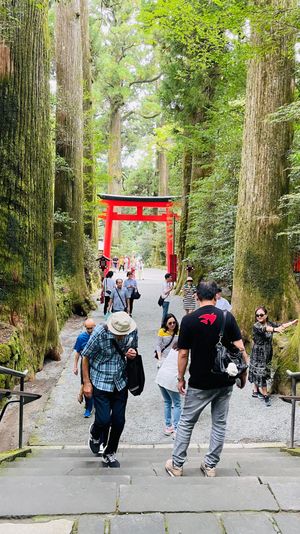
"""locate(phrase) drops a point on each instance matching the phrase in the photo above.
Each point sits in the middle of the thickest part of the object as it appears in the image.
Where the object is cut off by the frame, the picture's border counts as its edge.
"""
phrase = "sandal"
(255, 394)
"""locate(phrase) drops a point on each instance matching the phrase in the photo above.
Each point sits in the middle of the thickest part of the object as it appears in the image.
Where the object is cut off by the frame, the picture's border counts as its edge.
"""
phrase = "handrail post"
(21, 415)
(294, 392)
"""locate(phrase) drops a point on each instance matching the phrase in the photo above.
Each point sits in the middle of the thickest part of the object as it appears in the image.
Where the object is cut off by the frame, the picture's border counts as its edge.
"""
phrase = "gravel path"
(62, 420)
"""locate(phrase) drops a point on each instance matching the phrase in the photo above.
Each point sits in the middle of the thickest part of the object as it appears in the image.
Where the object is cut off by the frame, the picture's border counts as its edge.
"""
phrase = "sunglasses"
(260, 314)
(89, 329)
(169, 324)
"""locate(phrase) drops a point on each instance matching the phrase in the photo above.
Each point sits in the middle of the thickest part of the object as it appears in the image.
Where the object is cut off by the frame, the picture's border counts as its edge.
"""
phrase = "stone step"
(30, 496)
(237, 494)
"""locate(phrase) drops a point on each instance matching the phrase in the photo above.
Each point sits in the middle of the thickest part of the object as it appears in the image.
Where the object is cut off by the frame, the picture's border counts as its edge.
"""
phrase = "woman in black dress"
(262, 352)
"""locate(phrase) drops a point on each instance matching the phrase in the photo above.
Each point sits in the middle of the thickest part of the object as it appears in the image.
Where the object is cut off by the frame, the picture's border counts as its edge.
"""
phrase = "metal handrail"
(12, 372)
(24, 397)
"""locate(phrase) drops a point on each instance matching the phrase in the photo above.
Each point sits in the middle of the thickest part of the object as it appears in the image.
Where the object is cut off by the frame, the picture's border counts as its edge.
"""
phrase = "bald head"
(89, 324)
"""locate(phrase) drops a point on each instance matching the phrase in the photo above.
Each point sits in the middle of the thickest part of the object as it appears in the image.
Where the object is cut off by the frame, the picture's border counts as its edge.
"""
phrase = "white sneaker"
(110, 460)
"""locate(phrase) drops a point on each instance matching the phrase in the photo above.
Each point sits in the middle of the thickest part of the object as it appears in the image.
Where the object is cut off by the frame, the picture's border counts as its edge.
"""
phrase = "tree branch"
(146, 81)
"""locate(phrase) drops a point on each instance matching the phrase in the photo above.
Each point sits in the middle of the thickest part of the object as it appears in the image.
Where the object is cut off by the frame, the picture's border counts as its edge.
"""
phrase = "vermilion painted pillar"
(108, 230)
(169, 238)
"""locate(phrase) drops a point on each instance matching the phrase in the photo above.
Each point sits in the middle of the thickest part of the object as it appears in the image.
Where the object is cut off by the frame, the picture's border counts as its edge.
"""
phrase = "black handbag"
(225, 356)
(160, 301)
(135, 371)
(136, 295)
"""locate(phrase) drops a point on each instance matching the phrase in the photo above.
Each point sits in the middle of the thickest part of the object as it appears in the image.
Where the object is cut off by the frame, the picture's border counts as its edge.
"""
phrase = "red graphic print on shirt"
(208, 318)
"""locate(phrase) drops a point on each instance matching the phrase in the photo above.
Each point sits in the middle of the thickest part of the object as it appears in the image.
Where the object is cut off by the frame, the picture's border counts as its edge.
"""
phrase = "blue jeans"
(195, 402)
(165, 309)
(171, 397)
(109, 421)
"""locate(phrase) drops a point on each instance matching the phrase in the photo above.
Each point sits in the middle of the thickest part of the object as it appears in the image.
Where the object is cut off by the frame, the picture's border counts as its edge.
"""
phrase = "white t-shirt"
(165, 288)
(108, 286)
(223, 304)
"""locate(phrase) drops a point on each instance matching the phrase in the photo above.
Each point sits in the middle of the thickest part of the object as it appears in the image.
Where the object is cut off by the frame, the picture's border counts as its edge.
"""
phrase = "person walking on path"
(199, 333)
(167, 336)
(80, 343)
(104, 377)
(189, 294)
(167, 381)
(222, 303)
(130, 285)
(121, 263)
(115, 262)
(262, 352)
(165, 294)
(119, 298)
(140, 269)
(108, 286)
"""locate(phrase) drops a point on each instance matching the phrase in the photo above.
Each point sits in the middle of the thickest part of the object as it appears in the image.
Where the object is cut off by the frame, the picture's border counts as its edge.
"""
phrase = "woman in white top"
(108, 285)
(167, 381)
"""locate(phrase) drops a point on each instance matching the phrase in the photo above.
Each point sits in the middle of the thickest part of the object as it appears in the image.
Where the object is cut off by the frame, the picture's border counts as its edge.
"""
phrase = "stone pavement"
(256, 490)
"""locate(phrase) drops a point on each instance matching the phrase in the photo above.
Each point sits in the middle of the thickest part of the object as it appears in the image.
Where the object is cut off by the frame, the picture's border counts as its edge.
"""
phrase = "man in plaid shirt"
(104, 377)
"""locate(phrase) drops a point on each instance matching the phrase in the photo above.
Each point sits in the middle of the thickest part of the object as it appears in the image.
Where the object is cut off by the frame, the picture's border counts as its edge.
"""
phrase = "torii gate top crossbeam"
(140, 203)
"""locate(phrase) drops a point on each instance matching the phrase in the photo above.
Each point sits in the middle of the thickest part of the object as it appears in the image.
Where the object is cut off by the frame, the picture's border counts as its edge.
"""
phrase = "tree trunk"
(26, 183)
(262, 269)
(69, 150)
(163, 173)
(114, 164)
(89, 186)
(187, 180)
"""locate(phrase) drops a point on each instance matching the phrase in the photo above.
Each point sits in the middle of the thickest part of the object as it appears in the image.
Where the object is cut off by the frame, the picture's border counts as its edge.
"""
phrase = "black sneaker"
(110, 460)
(267, 400)
(94, 444)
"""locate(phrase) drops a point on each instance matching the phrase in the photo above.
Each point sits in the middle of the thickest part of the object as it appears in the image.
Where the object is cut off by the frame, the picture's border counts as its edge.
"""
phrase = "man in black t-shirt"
(199, 333)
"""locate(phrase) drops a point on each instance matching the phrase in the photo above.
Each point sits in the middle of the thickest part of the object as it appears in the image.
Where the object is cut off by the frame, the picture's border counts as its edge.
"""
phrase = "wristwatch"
(180, 378)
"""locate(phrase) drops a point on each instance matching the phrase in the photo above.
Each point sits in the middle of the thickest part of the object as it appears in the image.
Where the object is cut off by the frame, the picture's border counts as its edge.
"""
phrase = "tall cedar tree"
(69, 149)
(26, 178)
(262, 269)
(126, 62)
(89, 186)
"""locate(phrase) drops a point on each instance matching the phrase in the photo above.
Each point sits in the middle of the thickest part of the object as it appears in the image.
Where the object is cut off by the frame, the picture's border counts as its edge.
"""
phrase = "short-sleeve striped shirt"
(107, 367)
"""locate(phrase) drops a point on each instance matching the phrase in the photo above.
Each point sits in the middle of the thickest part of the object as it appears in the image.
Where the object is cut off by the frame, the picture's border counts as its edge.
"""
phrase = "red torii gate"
(167, 216)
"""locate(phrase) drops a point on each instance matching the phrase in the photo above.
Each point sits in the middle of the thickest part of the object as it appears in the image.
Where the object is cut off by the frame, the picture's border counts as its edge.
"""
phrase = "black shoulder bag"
(136, 294)
(135, 371)
(160, 301)
(225, 356)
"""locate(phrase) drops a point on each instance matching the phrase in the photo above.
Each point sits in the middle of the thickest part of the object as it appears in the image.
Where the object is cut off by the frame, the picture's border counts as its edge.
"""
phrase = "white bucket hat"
(120, 323)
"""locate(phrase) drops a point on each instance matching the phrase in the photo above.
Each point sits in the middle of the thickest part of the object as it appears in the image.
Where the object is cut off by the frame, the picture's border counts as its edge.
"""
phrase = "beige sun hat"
(189, 279)
(120, 323)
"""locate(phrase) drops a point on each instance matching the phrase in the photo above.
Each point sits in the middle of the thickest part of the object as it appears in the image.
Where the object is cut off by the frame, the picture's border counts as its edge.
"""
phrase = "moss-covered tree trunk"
(69, 150)
(27, 311)
(89, 186)
(114, 162)
(262, 268)
(186, 189)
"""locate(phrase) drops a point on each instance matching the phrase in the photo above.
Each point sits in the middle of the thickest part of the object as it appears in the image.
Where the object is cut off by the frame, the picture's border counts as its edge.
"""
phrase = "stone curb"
(292, 452)
(9, 456)
(256, 445)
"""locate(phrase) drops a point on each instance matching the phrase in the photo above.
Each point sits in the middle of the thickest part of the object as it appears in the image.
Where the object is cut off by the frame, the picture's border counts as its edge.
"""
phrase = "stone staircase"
(256, 490)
